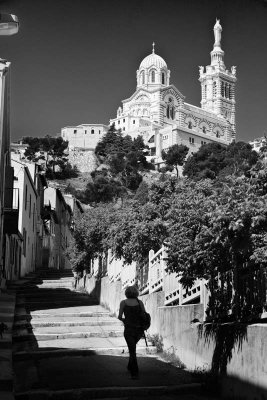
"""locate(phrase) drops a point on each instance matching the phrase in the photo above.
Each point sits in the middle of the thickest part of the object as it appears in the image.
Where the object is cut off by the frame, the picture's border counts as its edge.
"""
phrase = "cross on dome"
(153, 47)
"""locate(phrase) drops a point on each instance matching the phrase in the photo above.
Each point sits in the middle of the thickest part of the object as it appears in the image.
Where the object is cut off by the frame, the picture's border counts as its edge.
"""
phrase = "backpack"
(145, 318)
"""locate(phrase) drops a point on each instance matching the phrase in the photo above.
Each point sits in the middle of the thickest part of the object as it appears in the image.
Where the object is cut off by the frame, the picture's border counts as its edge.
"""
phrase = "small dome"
(153, 60)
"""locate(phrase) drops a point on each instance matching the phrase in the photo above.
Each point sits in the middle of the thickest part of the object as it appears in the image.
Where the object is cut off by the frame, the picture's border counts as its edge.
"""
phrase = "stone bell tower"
(218, 84)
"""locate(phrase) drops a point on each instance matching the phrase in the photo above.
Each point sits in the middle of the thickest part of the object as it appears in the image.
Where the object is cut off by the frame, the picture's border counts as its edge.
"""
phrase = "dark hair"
(131, 292)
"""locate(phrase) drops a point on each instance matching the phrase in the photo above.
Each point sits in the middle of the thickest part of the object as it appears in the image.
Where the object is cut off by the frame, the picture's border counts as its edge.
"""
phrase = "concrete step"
(55, 352)
(21, 298)
(59, 333)
(43, 291)
(73, 322)
(23, 316)
(38, 305)
(91, 343)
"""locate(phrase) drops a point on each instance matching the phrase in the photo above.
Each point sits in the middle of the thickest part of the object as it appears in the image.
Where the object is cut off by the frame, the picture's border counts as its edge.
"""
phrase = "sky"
(73, 61)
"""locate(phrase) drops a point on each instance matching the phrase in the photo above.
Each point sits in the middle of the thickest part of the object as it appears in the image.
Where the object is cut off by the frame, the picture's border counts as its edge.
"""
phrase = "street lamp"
(9, 24)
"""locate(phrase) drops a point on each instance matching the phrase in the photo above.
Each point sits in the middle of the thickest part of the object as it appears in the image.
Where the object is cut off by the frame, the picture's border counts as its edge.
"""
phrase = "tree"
(102, 189)
(52, 151)
(90, 236)
(207, 162)
(239, 158)
(175, 156)
(225, 243)
(124, 156)
(214, 160)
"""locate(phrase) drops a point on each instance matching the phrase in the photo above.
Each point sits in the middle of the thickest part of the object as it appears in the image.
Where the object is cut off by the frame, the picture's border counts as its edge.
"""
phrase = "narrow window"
(172, 112)
(85, 132)
(189, 125)
(142, 78)
(99, 131)
(92, 131)
(203, 129)
(123, 119)
(191, 140)
(168, 111)
(134, 121)
(26, 195)
(214, 89)
(75, 131)
(33, 217)
(119, 122)
(223, 89)
(163, 78)
(152, 76)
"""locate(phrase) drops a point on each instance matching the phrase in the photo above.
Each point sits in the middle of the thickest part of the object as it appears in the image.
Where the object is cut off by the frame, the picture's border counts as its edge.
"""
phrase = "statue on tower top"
(217, 33)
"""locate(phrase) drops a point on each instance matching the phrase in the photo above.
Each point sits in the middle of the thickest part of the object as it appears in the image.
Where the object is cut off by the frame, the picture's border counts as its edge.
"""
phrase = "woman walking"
(132, 309)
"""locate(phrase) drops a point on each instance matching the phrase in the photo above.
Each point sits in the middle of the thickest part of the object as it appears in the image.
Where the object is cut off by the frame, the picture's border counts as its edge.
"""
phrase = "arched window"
(168, 111)
(163, 78)
(214, 89)
(189, 125)
(92, 131)
(204, 129)
(172, 112)
(153, 75)
(222, 89)
(142, 80)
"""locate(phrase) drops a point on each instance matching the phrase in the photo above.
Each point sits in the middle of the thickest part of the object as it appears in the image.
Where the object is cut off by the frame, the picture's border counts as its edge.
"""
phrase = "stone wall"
(85, 160)
(239, 351)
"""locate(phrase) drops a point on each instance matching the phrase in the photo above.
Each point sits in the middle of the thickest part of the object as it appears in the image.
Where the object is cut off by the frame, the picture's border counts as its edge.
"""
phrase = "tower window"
(222, 90)
(214, 89)
(172, 112)
(142, 80)
(92, 131)
(163, 78)
(204, 129)
(26, 195)
(168, 111)
(190, 125)
(153, 76)
(30, 206)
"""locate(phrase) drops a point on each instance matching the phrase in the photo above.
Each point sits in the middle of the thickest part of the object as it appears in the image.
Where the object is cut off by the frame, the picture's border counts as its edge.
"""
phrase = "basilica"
(158, 112)
(157, 109)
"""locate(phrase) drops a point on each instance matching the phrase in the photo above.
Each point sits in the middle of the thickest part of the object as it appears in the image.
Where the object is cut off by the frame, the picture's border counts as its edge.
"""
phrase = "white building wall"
(84, 136)
(27, 224)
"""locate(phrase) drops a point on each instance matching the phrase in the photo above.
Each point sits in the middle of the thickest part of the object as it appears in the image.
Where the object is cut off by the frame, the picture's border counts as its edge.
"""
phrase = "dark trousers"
(132, 337)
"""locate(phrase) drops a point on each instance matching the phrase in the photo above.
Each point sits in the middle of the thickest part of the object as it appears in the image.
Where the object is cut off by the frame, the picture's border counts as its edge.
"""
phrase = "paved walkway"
(66, 346)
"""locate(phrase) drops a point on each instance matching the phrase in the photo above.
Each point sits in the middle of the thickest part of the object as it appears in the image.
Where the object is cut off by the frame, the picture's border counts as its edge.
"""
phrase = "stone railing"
(153, 277)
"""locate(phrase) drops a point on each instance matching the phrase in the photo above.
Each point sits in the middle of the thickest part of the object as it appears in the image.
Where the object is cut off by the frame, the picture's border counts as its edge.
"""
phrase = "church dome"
(153, 60)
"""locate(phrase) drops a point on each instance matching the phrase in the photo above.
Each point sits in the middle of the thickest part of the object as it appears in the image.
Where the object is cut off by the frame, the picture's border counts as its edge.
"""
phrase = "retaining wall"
(239, 352)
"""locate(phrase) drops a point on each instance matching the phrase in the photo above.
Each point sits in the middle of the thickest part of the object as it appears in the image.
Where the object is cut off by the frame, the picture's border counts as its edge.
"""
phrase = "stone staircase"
(66, 346)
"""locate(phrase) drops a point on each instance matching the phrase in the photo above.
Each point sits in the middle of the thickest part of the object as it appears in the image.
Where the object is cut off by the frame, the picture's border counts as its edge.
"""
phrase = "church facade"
(158, 112)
